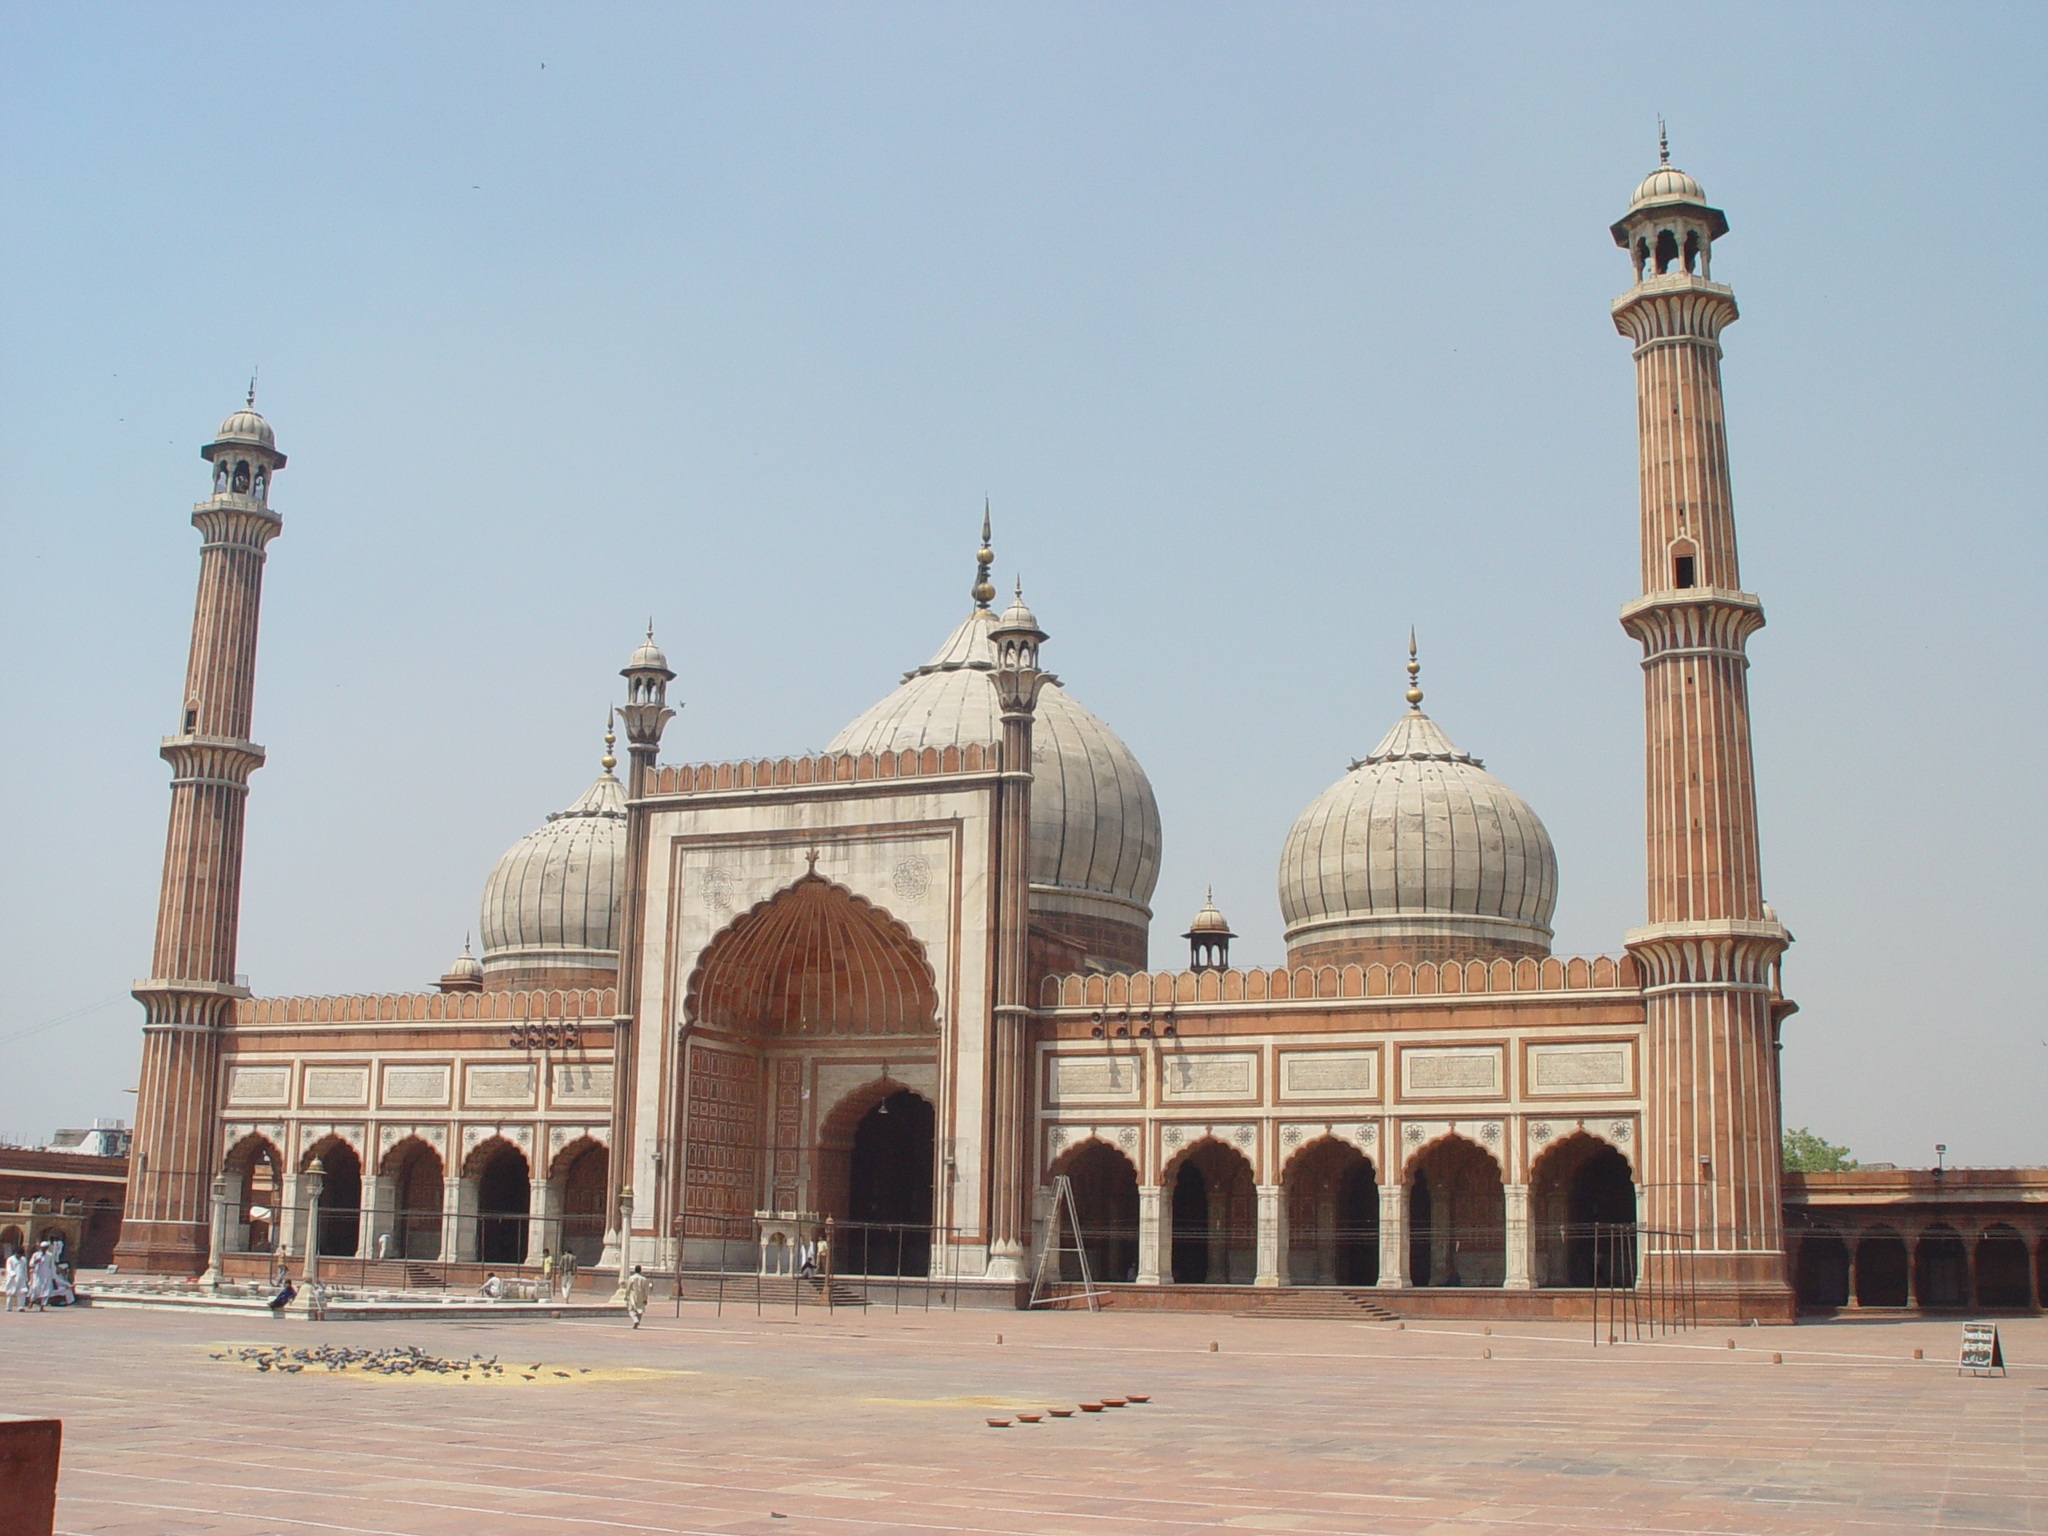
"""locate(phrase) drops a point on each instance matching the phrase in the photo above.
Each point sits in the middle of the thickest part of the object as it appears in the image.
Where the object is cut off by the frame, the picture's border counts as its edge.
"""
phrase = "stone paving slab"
(856, 1425)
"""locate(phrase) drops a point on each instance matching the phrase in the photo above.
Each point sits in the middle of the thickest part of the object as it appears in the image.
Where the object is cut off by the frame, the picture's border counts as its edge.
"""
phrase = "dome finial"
(984, 591)
(1663, 142)
(1414, 672)
(250, 401)
(608, 762)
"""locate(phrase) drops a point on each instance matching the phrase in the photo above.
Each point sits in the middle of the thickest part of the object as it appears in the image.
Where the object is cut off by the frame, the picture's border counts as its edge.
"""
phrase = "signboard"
(1981, 1350)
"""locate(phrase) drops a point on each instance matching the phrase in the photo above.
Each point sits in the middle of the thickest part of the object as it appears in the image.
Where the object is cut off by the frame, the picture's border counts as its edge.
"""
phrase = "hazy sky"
(1270, 330)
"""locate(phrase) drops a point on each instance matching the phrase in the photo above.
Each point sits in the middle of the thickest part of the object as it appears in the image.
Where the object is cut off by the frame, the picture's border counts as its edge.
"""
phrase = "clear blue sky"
(1270, 330)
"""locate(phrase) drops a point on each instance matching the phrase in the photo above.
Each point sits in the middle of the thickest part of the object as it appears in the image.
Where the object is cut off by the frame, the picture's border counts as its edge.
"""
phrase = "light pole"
(316, 1180)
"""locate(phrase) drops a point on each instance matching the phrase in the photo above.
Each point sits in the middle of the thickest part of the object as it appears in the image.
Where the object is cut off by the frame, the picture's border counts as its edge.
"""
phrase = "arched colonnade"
(1449, 1220)
(494, 1210)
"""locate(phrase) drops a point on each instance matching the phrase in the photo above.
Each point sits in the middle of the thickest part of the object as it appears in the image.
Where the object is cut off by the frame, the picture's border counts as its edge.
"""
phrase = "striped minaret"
(191, 987)
(1710, 948)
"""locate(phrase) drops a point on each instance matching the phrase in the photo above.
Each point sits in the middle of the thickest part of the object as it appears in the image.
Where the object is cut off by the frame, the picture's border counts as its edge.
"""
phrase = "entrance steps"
(1324, 1302)
(790, 1291)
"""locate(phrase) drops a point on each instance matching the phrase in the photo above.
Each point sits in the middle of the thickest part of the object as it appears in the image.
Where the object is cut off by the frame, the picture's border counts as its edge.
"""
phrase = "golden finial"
(250, 403)
(1663, 142)
(609, 762)
(984, 557)
(1414, 672)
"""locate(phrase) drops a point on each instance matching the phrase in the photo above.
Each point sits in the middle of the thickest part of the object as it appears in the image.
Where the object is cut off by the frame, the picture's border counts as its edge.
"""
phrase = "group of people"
(557, 1270)
(562, 1270)
(37, 1279)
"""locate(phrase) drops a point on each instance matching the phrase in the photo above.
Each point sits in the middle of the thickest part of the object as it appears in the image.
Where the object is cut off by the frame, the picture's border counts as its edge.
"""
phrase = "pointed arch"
(1329, 1192)
(341, 1193)
(1105, 1185)
(1457, 1222)
(1582, 1205)
(1213, 1212)
(814, 959)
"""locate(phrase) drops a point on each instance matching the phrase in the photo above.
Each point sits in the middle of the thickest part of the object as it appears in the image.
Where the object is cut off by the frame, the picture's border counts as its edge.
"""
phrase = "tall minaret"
(1709, 950)
(1018, 681)
(191, 985)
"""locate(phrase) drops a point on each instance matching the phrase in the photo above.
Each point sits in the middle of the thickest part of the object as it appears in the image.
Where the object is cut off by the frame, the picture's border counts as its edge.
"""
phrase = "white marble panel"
(337, 1085)
(416, 1085)
(1329, 1074)
(1451, 1071)
(259, 1085)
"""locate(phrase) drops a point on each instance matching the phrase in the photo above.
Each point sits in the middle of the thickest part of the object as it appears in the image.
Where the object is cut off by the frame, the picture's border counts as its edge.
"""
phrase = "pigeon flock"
(405, 1360)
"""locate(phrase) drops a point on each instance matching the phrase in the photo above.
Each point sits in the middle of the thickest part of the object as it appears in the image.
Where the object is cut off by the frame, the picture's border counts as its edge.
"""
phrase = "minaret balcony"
(225, 760)
(1675, 307)
(1695, 621)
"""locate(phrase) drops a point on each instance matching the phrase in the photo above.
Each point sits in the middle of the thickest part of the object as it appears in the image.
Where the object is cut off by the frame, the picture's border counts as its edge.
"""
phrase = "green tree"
(1808, 1153)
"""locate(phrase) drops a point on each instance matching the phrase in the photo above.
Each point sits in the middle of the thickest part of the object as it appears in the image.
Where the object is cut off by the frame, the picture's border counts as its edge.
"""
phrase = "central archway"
(1333, 1215)
(1457, 1216)
(341, 1196)
(888, 1212)
(1215, 1220)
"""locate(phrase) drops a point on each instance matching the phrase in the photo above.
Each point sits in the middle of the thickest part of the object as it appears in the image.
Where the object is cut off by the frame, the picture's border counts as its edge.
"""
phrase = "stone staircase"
(1322, 1302)
(774, 1290)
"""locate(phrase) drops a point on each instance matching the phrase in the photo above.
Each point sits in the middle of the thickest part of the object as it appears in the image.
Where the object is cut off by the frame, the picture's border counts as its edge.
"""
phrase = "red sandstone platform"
(860, 1425)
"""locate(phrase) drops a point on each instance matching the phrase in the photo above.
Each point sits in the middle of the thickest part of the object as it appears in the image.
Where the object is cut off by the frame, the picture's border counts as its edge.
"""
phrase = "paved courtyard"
(855, 1425)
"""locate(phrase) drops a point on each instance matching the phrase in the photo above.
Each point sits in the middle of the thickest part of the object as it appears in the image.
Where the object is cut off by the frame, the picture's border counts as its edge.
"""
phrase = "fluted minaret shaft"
(1018, 682)
(1709, 949)
(191, 986)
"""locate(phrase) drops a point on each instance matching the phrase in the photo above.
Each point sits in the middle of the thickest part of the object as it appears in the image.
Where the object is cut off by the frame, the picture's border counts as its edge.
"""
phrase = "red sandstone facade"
(903, 987)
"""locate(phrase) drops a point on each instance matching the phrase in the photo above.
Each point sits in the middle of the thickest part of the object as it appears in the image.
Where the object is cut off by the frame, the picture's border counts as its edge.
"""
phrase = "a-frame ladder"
(1064, 1218)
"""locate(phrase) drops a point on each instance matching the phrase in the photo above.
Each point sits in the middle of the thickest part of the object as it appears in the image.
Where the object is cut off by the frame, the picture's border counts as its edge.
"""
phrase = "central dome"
(1094, 822)
(551, 906)
(1418, 853)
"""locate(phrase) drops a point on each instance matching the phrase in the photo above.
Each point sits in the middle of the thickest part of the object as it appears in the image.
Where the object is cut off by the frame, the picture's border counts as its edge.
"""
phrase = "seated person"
(492, 1289)
(286, 1291)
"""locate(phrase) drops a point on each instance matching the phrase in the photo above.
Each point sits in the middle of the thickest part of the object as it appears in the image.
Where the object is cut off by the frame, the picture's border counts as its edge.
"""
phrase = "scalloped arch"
(814, 959)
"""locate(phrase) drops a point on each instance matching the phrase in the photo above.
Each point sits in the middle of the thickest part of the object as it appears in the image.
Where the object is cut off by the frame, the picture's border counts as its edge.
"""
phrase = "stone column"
(1150, 1235)
(1912, 1271)
(459, 1204)
(1854, 1242)
(1268, 1235)
(226, 1188)
(290, 1225)
(1520, 1238)
(380, 1215)
(234, 1230)
(1393, 1236)
(544, 1218)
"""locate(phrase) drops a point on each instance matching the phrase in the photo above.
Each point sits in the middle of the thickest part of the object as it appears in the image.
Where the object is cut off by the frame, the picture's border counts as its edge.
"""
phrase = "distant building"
(104, 1138)
(904, 984)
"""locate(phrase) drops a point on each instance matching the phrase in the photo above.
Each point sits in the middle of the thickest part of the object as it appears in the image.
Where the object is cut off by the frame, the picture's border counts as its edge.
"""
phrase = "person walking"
(39, 1267)
(637, 1287)
(567, 1270)
(547, 1272)
(15, 1281)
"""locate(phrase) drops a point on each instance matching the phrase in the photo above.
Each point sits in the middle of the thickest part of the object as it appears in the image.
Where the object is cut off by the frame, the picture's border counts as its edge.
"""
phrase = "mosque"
(908, 983)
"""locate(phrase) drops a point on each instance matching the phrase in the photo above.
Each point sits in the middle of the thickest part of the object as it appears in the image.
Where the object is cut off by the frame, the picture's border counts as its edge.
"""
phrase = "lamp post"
(315, 1181)
(217, 1234)
(1940, 1158)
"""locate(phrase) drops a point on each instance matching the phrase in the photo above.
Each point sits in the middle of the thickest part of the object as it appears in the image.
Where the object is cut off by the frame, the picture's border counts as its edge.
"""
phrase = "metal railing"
(1646, 1281)
(747, 1261)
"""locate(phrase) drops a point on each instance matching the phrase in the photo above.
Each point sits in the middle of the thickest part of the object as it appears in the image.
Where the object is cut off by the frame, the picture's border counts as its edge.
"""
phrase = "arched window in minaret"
(220, 476)
(241, 480)
(1667, 251)
(262, 482)
(1642, 258)
(1684, 563)
(1692, 251)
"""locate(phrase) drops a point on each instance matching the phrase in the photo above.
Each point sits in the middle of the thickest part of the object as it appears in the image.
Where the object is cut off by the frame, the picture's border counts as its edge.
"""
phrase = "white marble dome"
(1418, 847)
(1665, 184)
(245, 426)
(1094, 822)
(552, 902)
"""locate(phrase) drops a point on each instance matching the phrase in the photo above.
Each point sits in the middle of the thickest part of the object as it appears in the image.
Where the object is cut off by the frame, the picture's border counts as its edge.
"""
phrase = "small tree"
(1807, 1153)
